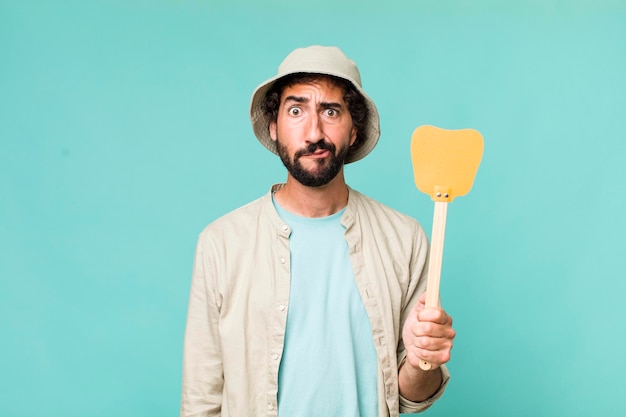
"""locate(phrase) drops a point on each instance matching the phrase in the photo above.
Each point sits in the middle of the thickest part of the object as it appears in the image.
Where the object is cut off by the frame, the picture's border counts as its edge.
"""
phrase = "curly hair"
(353, 98)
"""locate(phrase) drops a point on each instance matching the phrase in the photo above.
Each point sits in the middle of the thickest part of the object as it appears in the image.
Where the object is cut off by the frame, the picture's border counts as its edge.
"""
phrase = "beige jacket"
(240, 297)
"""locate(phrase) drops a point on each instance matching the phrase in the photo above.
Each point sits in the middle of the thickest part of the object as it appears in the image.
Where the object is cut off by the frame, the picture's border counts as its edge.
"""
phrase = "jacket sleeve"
(417, 285)
(203, 378)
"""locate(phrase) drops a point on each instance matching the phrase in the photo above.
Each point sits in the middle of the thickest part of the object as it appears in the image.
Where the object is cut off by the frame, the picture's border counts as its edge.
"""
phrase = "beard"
(326, 169)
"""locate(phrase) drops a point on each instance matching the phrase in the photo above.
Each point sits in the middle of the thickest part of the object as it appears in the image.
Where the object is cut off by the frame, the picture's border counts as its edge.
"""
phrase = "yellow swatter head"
(445, 161)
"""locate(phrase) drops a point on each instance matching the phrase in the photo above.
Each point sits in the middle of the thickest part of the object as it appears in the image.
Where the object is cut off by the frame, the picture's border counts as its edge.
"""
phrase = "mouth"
(319, 153)
(316, 151)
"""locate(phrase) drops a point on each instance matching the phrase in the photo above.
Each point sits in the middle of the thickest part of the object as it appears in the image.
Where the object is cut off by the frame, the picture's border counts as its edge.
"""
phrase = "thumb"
(421, 303)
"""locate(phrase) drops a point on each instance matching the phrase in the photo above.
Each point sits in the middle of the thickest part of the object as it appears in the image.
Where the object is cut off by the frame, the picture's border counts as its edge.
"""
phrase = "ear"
(353, 133)
(272, 130)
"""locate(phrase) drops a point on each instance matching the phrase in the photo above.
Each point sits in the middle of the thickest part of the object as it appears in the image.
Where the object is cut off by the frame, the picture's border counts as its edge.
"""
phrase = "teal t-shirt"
(329, 365)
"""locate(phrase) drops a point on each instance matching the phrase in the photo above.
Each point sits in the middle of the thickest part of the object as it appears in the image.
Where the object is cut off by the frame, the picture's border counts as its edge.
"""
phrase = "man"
(310, 300)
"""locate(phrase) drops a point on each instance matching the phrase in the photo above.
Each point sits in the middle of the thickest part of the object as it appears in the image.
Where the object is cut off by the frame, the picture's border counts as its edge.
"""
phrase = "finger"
(414, 358)
(436, 357)
(421, 303)
(434, 330)
(422, 298)
(433, 344)
(434, 315)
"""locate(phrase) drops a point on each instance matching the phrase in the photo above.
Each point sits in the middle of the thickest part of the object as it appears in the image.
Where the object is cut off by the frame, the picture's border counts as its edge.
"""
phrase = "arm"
(427, 334)
(202, 358)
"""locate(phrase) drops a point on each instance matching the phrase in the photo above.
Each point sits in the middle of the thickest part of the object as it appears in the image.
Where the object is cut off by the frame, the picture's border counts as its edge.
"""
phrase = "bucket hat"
(325, 60)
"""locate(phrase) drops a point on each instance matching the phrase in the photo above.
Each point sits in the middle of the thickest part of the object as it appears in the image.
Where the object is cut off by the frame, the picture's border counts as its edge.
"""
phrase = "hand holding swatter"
(444, 166)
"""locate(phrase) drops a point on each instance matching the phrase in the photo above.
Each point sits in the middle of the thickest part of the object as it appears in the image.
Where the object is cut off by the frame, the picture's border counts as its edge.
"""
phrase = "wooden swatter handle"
(434, 262)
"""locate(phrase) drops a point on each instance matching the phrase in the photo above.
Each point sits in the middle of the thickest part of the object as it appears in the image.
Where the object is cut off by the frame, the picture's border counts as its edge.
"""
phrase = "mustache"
(320, 145)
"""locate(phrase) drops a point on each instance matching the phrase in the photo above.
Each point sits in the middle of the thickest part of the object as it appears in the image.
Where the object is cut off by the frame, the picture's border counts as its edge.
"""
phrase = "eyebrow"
(297, 99)
(323, 105)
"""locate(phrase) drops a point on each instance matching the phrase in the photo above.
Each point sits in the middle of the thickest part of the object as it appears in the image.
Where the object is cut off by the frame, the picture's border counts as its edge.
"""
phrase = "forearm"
(417, 385)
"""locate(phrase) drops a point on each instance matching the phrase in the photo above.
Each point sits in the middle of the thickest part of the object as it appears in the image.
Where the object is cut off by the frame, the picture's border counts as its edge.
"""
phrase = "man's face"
(313, 131)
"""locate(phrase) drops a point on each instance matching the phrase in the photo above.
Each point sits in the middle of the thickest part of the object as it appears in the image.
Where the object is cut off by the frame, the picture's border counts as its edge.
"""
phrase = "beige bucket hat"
(327, 60)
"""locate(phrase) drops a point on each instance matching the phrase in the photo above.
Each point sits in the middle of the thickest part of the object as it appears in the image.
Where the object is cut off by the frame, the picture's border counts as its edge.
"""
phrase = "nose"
(315, 129)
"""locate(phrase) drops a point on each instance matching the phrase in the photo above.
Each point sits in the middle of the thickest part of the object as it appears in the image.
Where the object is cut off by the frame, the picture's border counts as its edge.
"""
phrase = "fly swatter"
(444, 166)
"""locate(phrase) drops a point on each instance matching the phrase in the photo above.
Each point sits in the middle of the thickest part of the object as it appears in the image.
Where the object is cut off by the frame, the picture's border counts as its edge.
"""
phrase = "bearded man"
(309, 301)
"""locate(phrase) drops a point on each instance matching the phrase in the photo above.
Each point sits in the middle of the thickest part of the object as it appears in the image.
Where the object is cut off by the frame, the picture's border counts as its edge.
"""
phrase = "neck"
(313, 201)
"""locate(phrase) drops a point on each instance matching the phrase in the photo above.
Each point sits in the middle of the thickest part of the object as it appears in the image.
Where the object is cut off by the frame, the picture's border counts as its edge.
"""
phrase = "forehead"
(323, 88)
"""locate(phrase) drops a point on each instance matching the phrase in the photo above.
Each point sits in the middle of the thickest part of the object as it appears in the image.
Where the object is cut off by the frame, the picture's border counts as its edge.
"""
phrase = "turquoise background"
(124, 131)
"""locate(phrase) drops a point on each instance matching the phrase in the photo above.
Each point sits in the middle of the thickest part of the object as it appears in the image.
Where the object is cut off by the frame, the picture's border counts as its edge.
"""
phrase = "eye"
(295, 111)
(331, 112)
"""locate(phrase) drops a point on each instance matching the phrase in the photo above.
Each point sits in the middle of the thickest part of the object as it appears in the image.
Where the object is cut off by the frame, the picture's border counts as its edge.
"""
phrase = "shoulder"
(378, 221)
(237, 222)
(367, 207)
